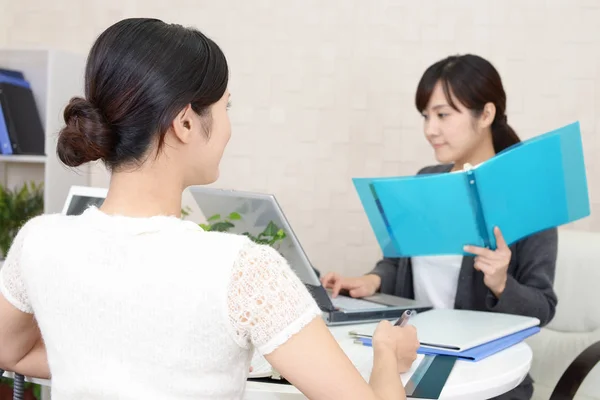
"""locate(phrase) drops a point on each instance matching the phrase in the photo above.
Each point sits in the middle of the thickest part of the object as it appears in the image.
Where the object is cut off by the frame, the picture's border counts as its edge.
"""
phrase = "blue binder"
(5, 144)
(476, 353)
(532, 186)
(12, 73)
(14, 78)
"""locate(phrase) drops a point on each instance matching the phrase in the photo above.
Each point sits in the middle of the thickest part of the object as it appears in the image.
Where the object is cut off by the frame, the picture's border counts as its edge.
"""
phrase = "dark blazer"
(529, 287)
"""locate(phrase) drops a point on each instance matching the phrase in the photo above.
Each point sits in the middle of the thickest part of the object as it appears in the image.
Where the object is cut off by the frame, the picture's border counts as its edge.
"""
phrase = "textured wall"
(323, 90)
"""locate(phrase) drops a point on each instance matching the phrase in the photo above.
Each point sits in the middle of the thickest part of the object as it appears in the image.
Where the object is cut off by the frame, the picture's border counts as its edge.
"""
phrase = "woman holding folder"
(129, 301)
(463, 104)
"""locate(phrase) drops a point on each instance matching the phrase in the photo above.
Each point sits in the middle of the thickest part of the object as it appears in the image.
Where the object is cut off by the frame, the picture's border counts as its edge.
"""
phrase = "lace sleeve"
(267, 301)
(11, 280)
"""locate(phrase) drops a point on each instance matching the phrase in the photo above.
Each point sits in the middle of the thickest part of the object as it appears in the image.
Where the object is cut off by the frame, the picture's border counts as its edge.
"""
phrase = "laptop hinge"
(321, 297)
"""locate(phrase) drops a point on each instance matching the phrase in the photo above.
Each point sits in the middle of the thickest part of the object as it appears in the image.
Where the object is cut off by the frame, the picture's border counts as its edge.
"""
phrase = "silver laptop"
(80, 198)
(256, 213)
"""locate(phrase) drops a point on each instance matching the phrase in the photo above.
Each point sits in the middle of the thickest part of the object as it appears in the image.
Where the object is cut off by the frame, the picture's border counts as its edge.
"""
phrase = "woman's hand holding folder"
(493, 263)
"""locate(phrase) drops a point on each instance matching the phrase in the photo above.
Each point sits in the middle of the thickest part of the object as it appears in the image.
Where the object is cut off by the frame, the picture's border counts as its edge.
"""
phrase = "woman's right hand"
(402, 342)
(363, 286)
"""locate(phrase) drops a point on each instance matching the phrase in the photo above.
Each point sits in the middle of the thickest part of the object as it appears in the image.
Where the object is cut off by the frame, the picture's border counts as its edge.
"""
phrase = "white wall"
(323, 90)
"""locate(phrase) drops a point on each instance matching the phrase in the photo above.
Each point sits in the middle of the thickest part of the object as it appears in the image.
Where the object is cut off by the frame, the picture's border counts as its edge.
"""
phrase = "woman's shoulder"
(36, 231)
(243, 250)
(546, 239)
(190, 234)
(40, 222)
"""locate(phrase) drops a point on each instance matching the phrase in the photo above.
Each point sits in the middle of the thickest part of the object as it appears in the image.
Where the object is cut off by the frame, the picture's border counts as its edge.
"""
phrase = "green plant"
(271, 235)
(17, 206)
(185, 212)
(219, 224)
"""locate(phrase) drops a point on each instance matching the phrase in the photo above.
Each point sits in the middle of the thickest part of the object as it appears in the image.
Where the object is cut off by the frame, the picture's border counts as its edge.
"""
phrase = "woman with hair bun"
(127, 301)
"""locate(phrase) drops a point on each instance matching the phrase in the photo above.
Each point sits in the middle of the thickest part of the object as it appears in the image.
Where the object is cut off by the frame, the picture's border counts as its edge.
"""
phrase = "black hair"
(474, 82)
(140, 73)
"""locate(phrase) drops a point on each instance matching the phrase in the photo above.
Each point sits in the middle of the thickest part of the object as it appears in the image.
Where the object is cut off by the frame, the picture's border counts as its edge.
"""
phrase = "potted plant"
(17, 206)
(272, 235)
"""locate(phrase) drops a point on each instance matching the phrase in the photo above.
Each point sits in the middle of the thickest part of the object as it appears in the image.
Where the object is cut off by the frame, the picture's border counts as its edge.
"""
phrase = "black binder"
(22, 119)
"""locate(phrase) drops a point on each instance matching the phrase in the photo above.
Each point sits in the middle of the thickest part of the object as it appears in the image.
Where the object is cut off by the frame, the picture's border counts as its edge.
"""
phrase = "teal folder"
(534, 185)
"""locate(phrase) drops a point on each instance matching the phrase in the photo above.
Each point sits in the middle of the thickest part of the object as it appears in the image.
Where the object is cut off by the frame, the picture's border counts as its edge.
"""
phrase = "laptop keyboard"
(350, 303)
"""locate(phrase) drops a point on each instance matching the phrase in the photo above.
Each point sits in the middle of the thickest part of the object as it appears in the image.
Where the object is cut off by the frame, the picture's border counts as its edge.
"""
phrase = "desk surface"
(485, 379)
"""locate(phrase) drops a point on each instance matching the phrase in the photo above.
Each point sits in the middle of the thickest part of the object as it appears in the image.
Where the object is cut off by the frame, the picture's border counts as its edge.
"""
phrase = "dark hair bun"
(86, 136)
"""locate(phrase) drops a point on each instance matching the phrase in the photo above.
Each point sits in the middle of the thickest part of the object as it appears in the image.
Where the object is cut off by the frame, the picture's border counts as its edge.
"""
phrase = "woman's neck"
(483, 153)
(143, 194)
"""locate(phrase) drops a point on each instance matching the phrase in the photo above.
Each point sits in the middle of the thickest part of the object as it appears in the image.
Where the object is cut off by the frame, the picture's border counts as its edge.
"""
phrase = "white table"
(485, 379)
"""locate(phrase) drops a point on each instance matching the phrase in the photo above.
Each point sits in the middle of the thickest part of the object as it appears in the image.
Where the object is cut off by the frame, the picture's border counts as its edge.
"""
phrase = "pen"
(355, 334)
(403, 320)
(366, 340)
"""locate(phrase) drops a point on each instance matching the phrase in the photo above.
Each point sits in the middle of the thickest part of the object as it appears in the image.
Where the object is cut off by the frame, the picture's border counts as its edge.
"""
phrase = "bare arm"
(385, 379)
(271, 310)
(21, 346)
(35, 363)
(314, 362)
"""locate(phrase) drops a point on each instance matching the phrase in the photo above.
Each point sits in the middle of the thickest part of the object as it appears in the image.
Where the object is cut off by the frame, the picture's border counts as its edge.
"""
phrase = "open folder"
(465, 334)
(532, 186)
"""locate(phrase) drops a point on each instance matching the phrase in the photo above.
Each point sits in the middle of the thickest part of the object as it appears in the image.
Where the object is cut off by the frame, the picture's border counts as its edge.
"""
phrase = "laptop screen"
(259, 216)
(80, 203)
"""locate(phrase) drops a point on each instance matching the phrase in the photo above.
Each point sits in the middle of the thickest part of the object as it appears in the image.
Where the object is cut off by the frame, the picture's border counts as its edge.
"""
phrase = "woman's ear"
(183, 124)
(487, 115)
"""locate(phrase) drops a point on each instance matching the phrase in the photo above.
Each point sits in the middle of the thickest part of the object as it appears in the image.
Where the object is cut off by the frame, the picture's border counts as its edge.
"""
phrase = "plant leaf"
(271, 229)
(17, 206)
(214, 218)
(234, 216)
(222, 226)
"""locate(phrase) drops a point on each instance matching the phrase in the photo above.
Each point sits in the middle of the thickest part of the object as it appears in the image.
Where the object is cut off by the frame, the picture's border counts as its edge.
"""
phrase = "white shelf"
(22, 159)
(55, 77)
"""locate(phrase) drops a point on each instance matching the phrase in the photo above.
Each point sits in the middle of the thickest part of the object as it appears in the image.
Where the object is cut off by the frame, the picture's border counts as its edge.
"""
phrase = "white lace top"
(151, 308)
